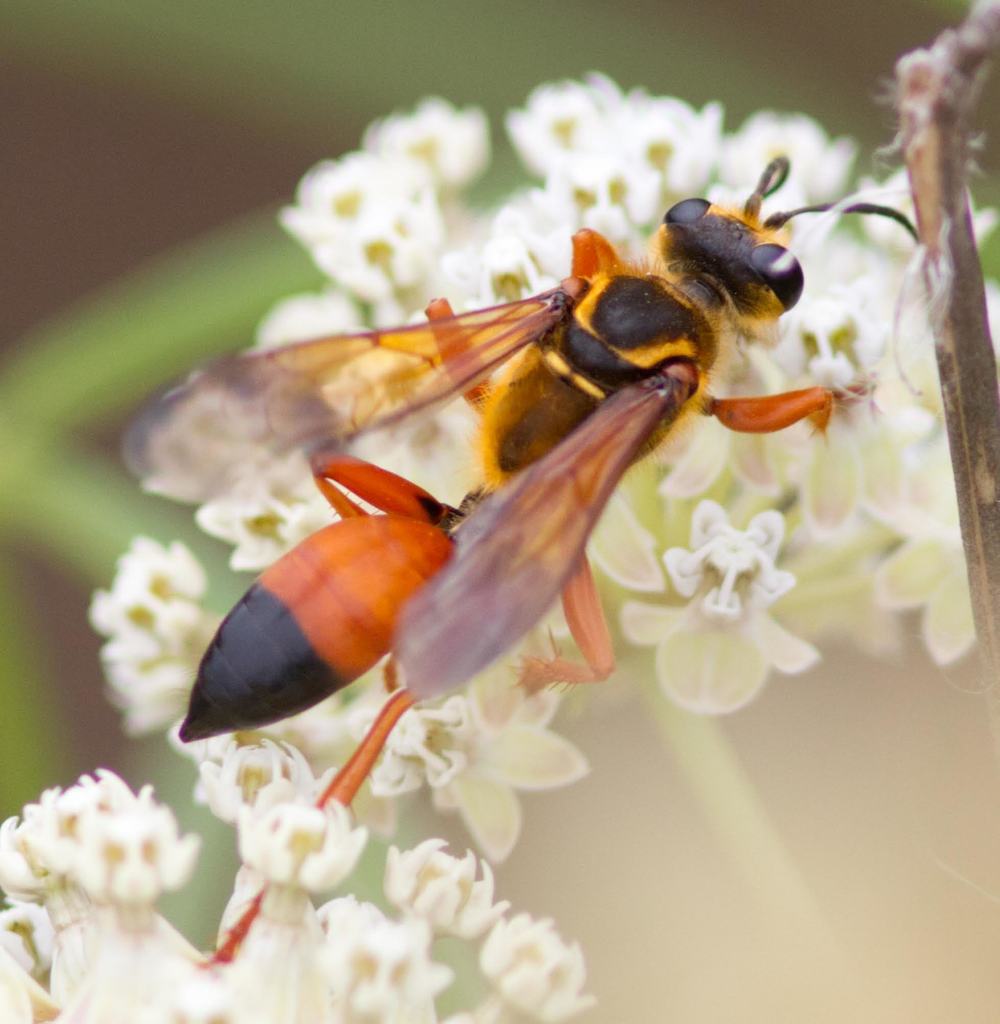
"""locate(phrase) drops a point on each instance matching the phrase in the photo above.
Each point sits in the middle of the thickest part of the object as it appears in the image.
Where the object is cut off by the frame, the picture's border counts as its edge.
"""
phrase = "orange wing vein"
(250, 407)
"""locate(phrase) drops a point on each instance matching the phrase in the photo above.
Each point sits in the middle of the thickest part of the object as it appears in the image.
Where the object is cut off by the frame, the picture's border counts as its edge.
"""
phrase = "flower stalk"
(937, 89)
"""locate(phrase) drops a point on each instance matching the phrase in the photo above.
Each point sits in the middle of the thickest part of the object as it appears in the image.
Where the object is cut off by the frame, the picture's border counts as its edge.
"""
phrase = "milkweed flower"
(714, 653)
(725, 559)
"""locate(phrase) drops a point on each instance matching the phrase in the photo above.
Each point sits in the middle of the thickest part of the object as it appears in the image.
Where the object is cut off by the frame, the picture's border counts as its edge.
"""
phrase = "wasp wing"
(243, 410)
(520, 546)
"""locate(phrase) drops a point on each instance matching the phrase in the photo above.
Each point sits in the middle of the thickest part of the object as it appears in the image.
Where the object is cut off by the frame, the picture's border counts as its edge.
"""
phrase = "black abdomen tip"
(260, 667)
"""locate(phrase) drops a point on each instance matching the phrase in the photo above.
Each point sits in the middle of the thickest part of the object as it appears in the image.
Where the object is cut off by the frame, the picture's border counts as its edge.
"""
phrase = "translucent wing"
(520, 546)
(251, 407)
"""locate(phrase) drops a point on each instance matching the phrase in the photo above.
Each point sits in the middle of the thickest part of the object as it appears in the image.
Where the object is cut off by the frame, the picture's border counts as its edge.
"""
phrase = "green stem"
(33, 746)
(105, 354)
(735, 813)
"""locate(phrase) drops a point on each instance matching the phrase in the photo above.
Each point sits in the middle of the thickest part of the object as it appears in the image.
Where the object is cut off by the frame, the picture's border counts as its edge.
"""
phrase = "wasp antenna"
(777, 220)
(775, 175)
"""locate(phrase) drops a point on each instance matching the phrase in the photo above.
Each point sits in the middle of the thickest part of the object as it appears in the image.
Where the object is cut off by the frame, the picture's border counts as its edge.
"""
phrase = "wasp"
(572, 386)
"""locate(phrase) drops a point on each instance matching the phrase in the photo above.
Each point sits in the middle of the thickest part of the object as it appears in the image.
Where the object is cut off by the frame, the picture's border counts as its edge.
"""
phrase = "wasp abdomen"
(318, 618)
(259, 667)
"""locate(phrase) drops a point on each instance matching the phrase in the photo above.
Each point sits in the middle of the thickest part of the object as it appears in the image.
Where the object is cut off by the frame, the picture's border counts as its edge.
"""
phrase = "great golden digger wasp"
(572, 386)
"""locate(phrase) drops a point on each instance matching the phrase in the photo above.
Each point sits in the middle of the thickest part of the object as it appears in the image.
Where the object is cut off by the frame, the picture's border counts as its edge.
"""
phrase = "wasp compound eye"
(687, 211)
(780, 271)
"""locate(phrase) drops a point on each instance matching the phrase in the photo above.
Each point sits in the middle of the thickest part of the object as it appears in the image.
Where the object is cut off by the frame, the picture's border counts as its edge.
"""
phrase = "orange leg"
(593, 254)
(343, 788)
(440, 309)
(589, 627)
(386, 491)
(773, 412)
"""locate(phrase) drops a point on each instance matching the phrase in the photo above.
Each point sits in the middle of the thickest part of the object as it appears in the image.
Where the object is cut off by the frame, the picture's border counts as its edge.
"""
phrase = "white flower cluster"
(732, 554)
(867, 516)
(156, 631)
(81, 942)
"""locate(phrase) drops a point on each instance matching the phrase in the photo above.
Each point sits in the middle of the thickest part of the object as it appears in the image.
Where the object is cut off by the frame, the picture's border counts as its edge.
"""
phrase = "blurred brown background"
(130, 130)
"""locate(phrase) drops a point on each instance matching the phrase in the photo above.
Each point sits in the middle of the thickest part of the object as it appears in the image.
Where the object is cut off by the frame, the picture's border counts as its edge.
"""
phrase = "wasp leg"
(345, 784)
(768, 413)
(343, 788)
(440, 309)
(593, 254)
(386, 491)
(589, 627)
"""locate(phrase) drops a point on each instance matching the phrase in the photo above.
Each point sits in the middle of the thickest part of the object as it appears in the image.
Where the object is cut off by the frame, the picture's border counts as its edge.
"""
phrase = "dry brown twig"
(937, 89)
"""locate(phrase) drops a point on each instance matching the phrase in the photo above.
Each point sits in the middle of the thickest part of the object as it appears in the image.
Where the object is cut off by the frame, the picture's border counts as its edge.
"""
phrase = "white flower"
(374, 225)
(730, 569)
(266, 515)
(820, 166)
(526, 251)
(205, 998)
(607, 192)
(672, 138)
(442, 889)
(428, 745)
(534, 970)
(835, 337)
(452, 144)
(714, 655)
(383, 972)
(278, 974)
(156, 631)
(303, 317)
(510, 748)
(26, 933)
(136, 973)
(928, 570)
(39, 851)
(559, 121)
(22, 999)
(301, 845)
(259, 775)
(133, 854)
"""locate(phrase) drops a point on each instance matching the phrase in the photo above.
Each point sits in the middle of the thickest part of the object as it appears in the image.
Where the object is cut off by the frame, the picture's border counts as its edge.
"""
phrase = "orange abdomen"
(318, 618)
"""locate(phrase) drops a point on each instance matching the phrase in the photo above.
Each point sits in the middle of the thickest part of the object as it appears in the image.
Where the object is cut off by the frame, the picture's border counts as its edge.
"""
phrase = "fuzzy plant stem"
(936, 92)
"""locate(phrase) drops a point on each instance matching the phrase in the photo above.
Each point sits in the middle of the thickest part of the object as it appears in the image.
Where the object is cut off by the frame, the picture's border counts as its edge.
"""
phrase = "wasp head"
(730, 257)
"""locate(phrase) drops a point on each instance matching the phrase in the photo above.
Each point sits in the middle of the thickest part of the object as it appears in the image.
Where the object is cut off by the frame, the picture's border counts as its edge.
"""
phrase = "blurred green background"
(145, 148)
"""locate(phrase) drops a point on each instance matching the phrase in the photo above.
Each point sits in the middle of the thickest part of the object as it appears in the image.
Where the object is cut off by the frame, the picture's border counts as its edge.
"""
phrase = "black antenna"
(774, 176)
(777, 220)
